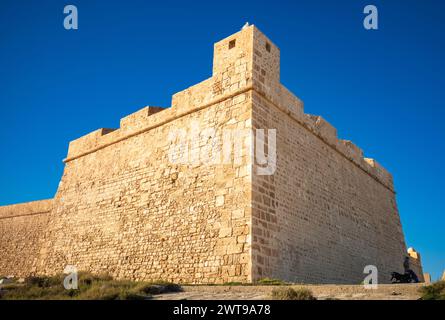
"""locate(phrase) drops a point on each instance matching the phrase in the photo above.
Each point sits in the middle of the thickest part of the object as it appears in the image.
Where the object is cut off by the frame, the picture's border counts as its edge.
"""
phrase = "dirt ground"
(321, 292)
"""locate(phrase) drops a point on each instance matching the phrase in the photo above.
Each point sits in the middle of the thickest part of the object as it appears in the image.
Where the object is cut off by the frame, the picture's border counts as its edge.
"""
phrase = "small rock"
(6, 281)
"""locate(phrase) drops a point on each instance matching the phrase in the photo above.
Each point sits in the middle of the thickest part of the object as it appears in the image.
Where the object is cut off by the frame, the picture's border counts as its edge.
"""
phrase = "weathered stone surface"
(21, 229)
(123, 208)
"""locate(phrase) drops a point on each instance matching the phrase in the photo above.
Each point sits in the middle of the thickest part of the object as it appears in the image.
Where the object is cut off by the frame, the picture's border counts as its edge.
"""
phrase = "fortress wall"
(327, 211)
(415, 263)
(126, 210)
(21, 226)
(321, 218)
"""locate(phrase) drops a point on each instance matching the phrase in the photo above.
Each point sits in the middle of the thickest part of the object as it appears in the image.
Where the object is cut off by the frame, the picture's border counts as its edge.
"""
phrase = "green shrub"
(234, 284)
(436, 291)
(160, 288)
(44, 282)
(292, 294)
(271, 282)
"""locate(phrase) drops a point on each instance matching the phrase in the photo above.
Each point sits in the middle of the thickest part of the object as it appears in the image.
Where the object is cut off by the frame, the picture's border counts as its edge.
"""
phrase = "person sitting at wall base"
(408, 271)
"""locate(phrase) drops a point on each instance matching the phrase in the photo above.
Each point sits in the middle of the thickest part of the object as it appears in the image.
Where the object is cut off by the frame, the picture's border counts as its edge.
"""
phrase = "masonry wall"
(21, 227)
(416, 266)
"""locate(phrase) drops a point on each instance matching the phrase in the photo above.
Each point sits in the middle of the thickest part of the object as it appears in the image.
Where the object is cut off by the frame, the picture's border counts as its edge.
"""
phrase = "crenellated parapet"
(138, 119)
(26, 209)
(266, 82)
(88, 142)
(232, 78)
(351, 151)
(326, 132)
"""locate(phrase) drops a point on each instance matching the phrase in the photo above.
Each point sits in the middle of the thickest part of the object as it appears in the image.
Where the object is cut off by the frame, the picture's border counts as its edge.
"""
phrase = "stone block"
(326, 131)
(140, 118)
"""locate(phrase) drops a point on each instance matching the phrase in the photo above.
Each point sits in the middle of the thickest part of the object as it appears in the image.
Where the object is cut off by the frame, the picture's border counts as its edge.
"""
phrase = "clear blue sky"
(381, 89)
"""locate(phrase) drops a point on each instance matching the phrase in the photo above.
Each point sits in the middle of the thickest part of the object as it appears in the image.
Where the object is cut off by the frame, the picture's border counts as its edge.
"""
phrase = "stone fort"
(123, 208)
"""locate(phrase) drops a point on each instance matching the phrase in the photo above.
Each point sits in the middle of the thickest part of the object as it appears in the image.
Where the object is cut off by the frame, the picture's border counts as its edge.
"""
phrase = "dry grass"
(91, 287)
(436, 291)
(292, 294)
